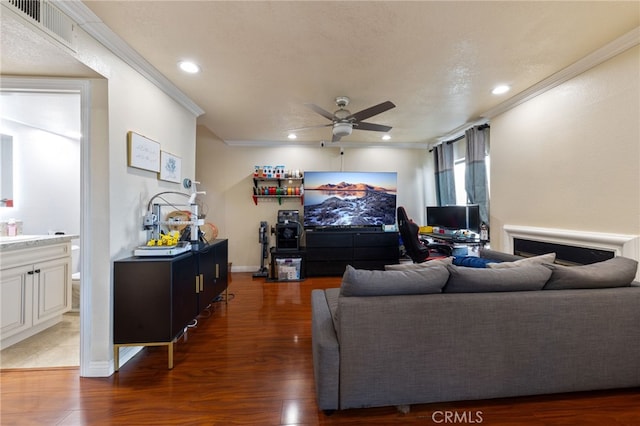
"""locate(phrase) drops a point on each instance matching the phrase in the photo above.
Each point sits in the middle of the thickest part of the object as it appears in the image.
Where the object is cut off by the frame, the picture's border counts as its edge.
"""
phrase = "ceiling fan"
(343, 121)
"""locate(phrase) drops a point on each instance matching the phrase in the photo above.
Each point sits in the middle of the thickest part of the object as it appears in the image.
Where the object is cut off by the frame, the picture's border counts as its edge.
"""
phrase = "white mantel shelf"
(626, 245)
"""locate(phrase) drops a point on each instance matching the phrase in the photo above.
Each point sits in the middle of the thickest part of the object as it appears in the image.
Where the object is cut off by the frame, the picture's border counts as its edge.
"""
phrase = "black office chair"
(416, 249)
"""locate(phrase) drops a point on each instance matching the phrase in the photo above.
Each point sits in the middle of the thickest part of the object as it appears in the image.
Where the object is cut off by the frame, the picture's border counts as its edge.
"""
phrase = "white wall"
(124, 102)
(137, 105)
(570, 158)
(225, 172)
(46, 180)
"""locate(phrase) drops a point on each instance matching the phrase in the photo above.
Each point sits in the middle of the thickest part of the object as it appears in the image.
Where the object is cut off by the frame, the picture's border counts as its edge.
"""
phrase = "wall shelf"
(280, 198)
(280, 189)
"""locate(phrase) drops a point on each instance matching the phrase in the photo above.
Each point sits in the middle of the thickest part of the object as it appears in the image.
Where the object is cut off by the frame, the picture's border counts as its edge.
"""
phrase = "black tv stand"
(329, 251)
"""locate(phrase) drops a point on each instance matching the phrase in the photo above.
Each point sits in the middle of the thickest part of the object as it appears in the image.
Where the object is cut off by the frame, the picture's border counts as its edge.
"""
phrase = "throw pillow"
(472, 262)
(616, 272)
(479, 280)
(535, 260)
(415, 266)
(361, 282)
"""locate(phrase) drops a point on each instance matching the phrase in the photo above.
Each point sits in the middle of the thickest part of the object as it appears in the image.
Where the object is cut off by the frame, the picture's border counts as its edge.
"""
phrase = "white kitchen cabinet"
(35, 289)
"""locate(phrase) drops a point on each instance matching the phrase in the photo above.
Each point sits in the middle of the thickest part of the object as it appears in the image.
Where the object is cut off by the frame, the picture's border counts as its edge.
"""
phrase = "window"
(459, 168)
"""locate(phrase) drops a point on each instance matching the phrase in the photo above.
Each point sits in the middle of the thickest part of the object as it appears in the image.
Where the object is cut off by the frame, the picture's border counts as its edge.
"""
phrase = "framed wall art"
(170, 167)
(143, 153)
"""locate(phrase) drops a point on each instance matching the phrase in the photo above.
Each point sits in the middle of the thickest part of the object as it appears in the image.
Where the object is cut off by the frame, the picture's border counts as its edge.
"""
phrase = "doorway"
(39, 107)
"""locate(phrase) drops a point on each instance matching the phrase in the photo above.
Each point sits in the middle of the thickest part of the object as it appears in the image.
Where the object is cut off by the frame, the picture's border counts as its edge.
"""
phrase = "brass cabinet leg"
(116, 351)
(116, 358)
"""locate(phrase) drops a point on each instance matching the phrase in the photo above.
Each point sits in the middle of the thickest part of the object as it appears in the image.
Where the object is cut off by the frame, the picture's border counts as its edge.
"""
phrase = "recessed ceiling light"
(188, 66)
(292, 136)
(499, 90)
(386, 137)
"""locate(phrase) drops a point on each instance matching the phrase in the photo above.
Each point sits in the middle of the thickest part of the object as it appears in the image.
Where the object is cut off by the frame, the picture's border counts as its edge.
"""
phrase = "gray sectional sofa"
(440, 332)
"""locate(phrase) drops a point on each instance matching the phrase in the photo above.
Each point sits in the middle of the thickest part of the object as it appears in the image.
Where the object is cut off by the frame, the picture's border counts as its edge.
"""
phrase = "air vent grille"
(30, 8)
(46, 16)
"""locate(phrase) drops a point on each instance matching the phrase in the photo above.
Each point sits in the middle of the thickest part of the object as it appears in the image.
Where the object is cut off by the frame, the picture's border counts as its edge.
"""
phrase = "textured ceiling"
(25, 52)
(437, 61)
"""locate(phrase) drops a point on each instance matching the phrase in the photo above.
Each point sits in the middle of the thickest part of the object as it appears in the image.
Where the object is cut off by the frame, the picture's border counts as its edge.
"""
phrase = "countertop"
(30, 241)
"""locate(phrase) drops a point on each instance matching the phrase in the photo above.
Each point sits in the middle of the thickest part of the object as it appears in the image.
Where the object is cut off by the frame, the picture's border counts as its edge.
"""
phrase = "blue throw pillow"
(472, 261)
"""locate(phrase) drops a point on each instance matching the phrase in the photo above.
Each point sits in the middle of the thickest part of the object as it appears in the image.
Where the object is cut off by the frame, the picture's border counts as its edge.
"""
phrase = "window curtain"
(476, 169)
(445, 181)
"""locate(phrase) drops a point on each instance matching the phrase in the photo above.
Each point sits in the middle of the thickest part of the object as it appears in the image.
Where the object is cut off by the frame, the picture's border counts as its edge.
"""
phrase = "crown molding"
(606, 52)
(92, 25)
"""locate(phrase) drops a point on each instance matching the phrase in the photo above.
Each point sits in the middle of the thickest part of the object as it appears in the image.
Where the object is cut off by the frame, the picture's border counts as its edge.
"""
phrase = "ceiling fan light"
(342, 129)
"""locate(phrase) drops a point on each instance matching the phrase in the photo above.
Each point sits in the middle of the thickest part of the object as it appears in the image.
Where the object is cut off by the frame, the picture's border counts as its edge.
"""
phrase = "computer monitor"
(455, 217)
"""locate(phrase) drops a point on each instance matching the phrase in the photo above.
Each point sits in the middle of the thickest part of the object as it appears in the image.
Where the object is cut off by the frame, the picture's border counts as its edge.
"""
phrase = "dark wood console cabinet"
(213, 272)
(156, 298)
(329, 252)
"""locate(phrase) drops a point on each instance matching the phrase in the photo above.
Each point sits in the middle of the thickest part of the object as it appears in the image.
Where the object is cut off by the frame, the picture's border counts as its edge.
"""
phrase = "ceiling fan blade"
(362, 125)
(370, 112)
(309, 127)
(320, 111)
(335, 138)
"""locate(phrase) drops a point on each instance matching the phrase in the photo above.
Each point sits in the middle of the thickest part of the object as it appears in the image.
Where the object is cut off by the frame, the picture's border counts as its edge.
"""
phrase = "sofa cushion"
(535, 260)
(616, 272)
(361, 282)
(479, 280)
(414, 266)
(332, 295)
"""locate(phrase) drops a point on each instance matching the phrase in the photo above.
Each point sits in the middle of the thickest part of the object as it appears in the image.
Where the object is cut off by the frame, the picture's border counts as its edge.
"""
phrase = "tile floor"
(57, 346)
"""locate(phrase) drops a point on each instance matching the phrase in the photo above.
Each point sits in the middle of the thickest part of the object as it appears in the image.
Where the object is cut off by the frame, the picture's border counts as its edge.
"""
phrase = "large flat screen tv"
(455, 217)
(349, 199)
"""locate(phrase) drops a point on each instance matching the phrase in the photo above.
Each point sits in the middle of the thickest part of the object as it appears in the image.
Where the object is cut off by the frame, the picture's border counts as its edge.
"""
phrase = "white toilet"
(75, 278)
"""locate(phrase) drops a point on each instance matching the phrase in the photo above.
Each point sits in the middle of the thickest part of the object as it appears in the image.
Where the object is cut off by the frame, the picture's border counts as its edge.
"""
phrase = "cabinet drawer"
(329, 253)
(376, 239)
(11, 258)
(389, 253)
(329, 239)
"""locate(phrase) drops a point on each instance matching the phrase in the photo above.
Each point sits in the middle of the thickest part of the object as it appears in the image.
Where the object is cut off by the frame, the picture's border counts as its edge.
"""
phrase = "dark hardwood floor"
(249, 363)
